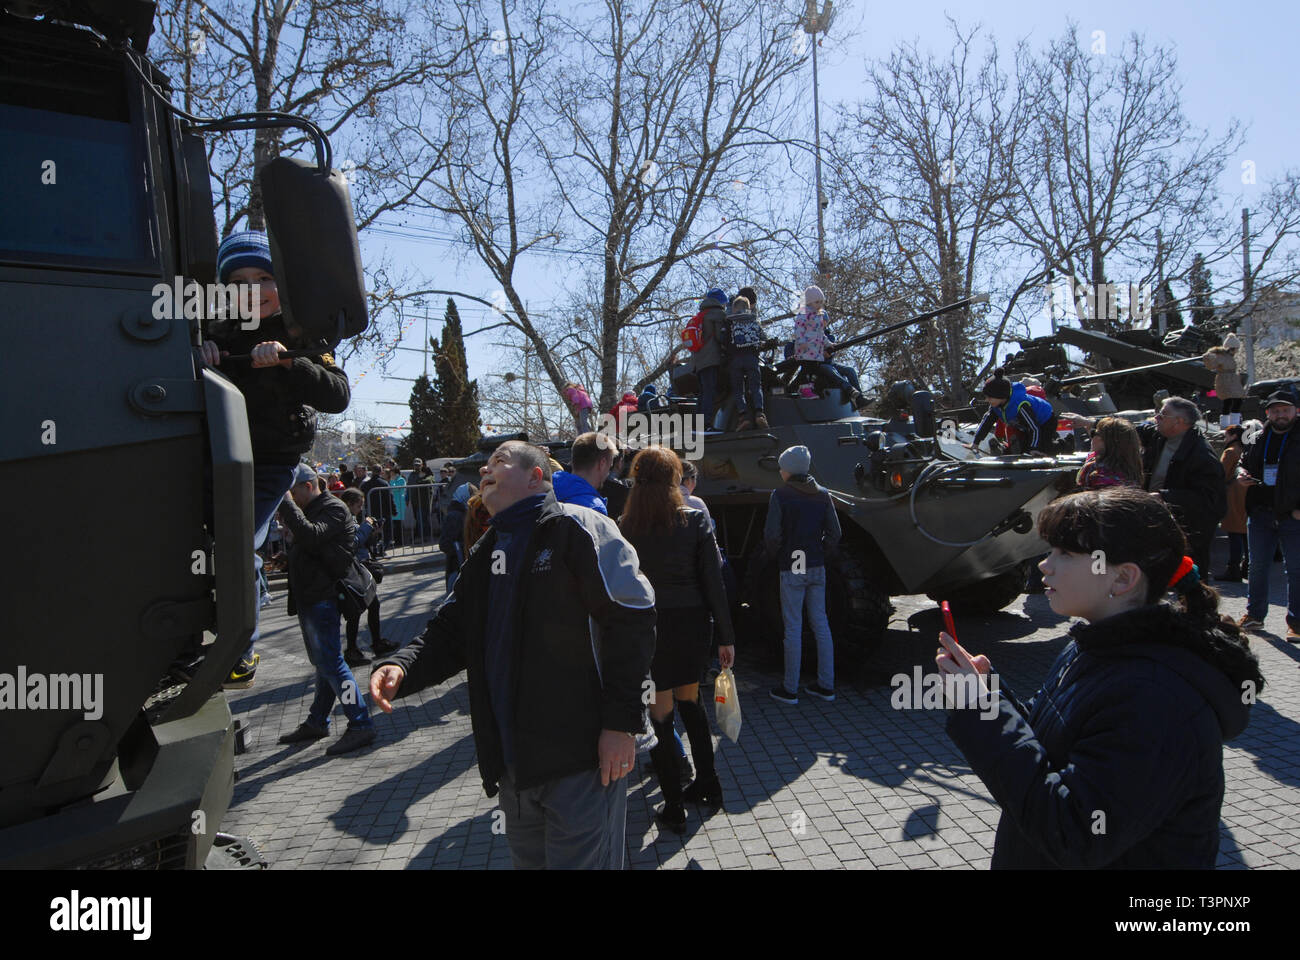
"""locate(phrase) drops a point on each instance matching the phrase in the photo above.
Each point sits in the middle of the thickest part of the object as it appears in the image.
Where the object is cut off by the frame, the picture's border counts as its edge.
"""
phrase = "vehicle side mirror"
(313, 235)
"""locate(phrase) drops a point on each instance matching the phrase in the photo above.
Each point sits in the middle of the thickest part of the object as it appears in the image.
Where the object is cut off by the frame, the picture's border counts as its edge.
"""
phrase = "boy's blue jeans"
(797, 591)
(270, 483)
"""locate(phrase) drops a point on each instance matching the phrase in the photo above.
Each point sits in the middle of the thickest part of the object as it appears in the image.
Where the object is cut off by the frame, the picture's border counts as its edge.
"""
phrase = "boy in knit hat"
(1014, 406)
(801, 527)
(281, 395)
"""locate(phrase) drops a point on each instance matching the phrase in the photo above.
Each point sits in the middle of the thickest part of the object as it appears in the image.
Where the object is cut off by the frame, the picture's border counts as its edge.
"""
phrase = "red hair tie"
(1183, 570)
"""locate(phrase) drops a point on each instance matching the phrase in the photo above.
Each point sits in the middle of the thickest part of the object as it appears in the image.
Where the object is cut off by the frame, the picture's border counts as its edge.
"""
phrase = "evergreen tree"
(1202, 299)
(1173, 313)
(425, 437)
(457, 394)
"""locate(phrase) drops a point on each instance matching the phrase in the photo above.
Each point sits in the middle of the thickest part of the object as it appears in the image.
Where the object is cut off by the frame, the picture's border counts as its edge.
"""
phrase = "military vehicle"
(1132, 366)
(916, 517)
(135, 457)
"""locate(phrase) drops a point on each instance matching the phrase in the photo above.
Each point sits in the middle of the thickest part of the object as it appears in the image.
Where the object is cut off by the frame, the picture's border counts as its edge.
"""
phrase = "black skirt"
(683, 643)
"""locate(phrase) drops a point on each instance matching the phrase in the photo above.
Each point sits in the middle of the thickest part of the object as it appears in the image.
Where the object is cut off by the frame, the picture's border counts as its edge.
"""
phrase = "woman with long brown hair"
(1116, 457)
(680, 558)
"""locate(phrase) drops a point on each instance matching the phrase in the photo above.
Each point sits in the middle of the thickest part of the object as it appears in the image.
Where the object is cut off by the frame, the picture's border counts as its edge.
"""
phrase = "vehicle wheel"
(859, 613)
(991, 595)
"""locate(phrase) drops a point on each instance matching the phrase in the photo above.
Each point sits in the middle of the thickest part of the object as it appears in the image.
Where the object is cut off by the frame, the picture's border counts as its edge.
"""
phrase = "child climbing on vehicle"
(1011, 404)
(746, 378)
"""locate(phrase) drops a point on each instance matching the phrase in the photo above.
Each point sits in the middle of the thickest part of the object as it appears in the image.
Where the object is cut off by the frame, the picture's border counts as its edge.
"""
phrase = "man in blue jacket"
(593, 459)
(801, 527)
(554, 623)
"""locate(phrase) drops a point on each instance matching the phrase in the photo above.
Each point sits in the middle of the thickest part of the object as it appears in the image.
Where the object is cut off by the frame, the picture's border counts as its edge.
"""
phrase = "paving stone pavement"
(852, 784)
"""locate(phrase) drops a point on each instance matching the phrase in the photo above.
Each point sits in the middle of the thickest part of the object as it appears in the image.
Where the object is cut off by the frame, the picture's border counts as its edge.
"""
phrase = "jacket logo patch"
(542, 562)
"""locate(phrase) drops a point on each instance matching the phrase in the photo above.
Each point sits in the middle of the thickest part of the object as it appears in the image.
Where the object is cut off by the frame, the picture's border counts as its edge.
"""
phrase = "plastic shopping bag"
(727, 704)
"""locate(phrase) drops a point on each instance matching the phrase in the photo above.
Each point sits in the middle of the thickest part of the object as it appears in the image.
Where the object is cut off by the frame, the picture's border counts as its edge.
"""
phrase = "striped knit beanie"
(248, 248)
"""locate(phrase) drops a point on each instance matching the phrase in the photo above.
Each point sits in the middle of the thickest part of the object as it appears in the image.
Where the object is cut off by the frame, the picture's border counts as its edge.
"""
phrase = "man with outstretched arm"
(555, 626)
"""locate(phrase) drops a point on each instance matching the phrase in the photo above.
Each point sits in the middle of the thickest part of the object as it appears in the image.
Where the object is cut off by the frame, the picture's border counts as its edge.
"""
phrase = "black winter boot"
(705, 790)
(672, 816)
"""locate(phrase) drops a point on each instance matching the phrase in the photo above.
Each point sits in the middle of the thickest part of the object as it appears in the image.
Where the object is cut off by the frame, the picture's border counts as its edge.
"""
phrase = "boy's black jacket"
(282, 402)
(583, 628)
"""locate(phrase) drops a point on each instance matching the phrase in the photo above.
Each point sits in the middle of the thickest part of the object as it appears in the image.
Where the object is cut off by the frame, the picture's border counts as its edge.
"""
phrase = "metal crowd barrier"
(409, 517)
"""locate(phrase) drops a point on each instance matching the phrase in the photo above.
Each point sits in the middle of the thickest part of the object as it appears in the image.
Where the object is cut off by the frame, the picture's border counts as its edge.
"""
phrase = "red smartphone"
(947, 620)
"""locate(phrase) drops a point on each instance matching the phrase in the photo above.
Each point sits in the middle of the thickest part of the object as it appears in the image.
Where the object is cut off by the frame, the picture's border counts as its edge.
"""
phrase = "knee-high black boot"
(664, 759)
(705, 789)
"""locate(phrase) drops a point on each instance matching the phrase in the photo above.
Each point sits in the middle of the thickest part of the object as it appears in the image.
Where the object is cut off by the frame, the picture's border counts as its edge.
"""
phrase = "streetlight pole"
(814, 24)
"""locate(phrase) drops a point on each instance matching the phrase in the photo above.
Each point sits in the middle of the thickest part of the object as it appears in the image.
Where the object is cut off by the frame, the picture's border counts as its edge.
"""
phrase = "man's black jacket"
(583, 628)
(1194, 487)
(324, 542)
(282, 402)
(381, 504)
(1286, 494)
(1118, 760)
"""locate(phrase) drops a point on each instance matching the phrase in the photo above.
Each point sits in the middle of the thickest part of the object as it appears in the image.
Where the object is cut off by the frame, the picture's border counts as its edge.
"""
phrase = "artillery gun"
(143, 453)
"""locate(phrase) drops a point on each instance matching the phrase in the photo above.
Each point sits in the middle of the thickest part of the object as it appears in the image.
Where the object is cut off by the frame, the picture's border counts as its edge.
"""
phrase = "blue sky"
(1234, 59)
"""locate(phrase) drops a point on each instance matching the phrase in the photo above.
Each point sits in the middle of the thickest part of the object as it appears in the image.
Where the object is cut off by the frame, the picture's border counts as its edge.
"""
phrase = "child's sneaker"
(783, 695)
(822, 692)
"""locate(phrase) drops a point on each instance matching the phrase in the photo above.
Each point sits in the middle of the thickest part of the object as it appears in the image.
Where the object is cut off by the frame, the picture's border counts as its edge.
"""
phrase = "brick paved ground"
(852, 784)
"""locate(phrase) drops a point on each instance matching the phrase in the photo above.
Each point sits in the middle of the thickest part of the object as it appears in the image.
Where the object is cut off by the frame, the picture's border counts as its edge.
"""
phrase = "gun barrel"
(1089, 378)
(890, 328)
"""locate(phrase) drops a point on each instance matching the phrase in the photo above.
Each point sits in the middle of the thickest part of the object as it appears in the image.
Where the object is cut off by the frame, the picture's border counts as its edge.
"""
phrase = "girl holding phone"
(1118, 760)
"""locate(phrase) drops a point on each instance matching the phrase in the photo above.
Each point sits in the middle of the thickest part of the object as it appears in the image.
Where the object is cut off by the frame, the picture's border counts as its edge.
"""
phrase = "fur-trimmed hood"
(1216, 664)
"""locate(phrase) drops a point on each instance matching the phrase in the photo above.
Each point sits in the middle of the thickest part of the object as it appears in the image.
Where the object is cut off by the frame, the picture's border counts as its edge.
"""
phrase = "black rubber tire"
(859, 613)
(991, 595)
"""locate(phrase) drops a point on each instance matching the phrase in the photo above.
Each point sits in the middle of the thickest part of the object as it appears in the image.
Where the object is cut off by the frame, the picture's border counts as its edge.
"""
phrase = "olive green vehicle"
(916, 517)
(132, 459)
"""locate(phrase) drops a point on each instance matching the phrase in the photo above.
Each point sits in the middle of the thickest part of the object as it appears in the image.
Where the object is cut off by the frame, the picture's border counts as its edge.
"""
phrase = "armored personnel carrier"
(918, 515)
(136, 458)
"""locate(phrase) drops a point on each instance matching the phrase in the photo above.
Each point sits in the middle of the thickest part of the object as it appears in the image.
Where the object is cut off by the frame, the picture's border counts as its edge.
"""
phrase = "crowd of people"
(1251, 491)
(583, 636)
(405, 517)
(723, 340)
(589, 605)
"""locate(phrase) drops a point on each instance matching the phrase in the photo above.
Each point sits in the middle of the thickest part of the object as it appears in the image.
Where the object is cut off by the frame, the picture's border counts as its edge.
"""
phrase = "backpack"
(746, 333)
(693, 335)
